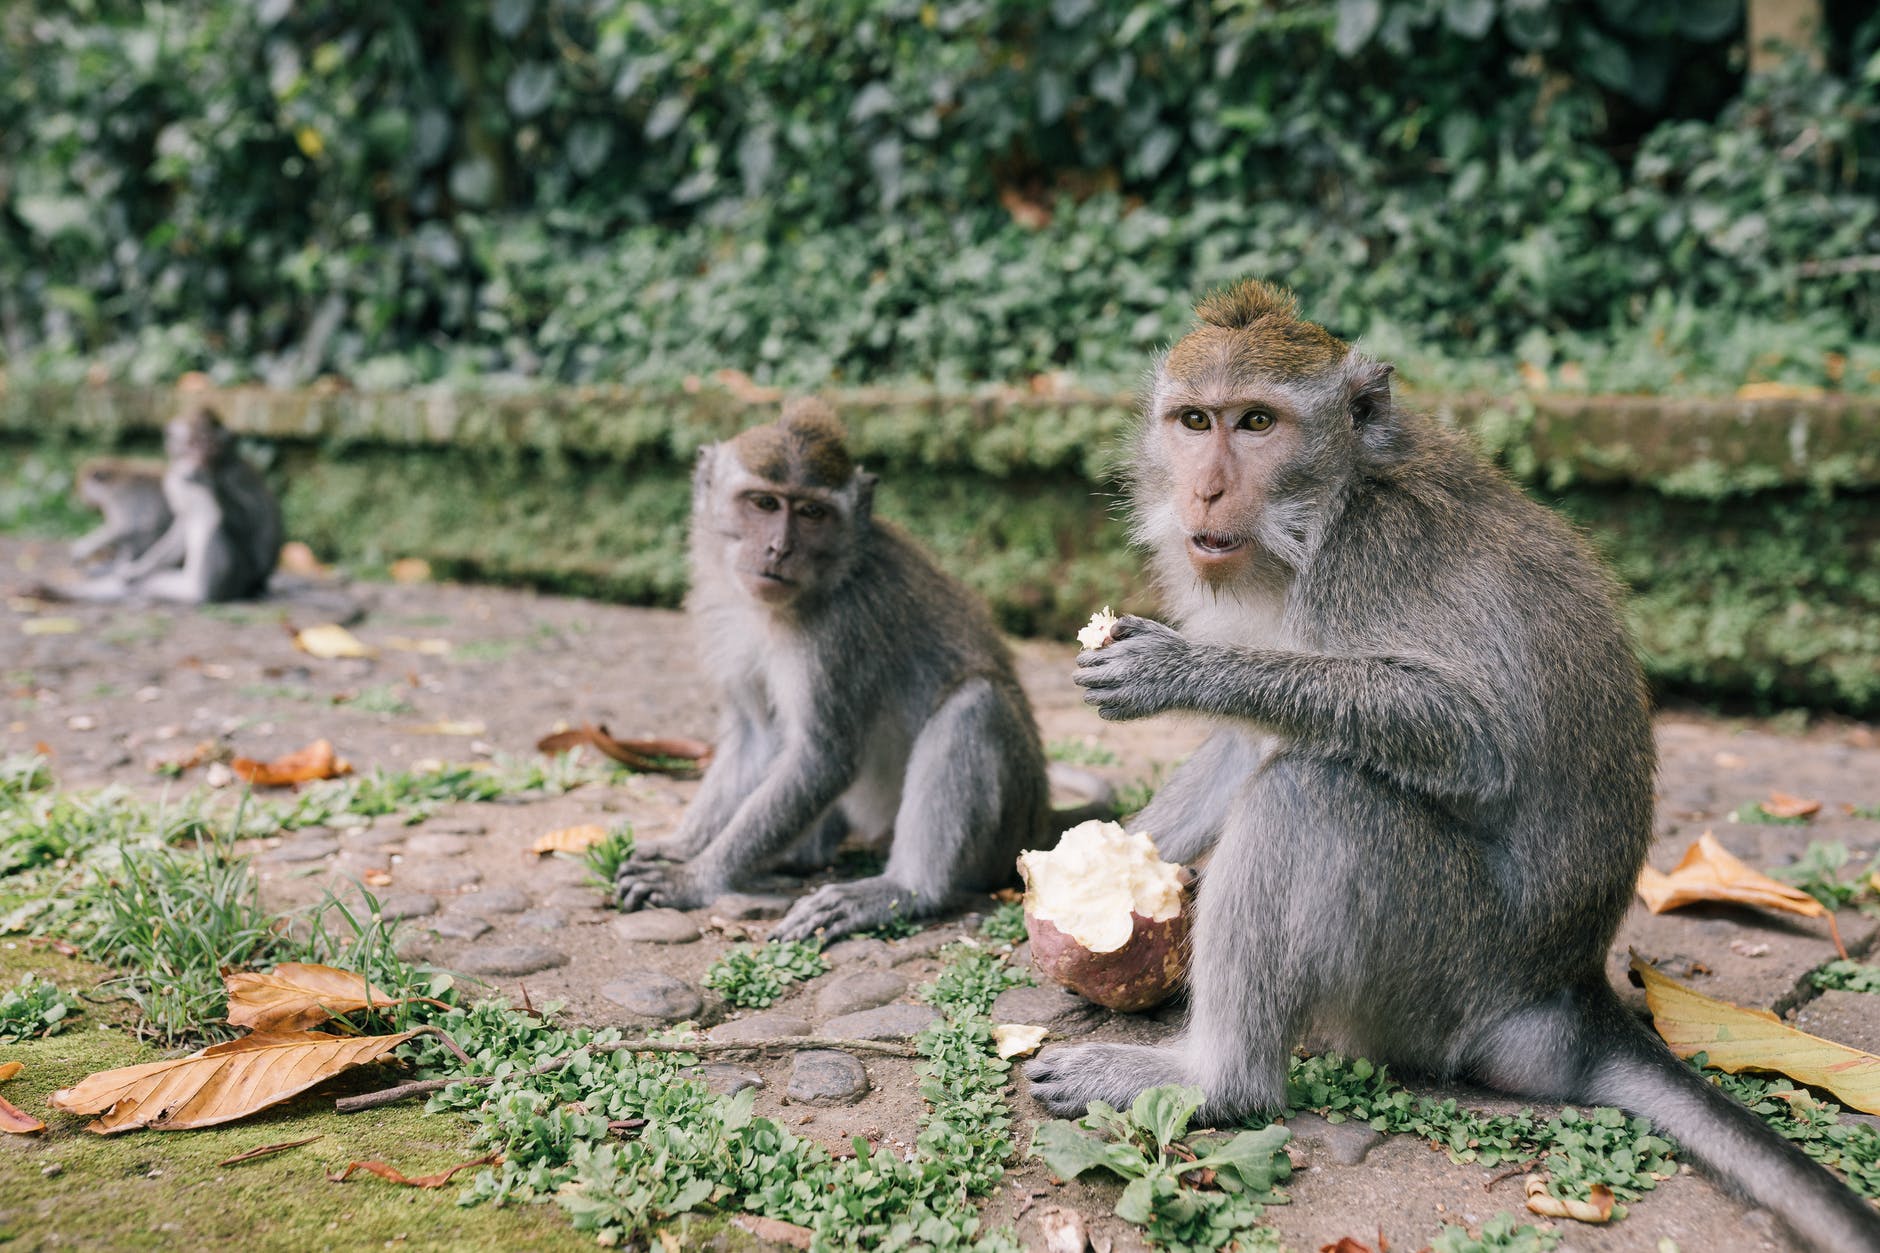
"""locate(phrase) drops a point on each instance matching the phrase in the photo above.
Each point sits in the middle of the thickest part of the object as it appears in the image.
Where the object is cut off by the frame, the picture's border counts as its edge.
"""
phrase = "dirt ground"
(118, 687)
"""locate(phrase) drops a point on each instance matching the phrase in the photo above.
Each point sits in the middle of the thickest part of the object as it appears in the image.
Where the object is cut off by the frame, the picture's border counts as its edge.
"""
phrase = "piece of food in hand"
(1096, 632)
(1107, 916)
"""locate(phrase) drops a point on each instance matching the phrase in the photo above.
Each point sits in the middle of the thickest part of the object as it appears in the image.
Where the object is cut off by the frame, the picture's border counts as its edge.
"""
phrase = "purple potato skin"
(1140, 975)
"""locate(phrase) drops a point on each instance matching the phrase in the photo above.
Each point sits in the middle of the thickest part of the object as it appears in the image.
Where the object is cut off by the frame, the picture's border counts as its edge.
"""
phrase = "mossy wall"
(1748, 531)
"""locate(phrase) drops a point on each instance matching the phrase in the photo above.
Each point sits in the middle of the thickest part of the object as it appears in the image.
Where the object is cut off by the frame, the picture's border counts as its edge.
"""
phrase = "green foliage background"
(817, 190)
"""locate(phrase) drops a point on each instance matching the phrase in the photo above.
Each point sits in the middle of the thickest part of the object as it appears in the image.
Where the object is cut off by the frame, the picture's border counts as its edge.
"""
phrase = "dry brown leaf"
(265, 1150)
(220, 1083)
(447, 726)
(390, 1175)
(14, 1120)
(316, 761)
(775, 1229)
(297, 558)
(1736, 1038)
(330, 640)
(1782, 805)
(1709, 873)
(569, 839)
(297, 995)
(427, 647)
(409, 570)
(1597, 1208)
(377, 878)
(675, 755)
(1346, 1244)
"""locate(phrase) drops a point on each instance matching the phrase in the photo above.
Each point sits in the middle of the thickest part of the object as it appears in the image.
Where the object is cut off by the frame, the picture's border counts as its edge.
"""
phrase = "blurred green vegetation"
(820, 190)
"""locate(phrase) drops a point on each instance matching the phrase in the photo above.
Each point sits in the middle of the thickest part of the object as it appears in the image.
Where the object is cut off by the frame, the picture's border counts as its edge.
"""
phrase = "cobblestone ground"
(127, 685)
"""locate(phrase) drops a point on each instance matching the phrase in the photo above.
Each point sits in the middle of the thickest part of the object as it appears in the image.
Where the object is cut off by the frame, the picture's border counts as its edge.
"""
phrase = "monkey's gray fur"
(874, 693)
(130, 496)
(1429, 790)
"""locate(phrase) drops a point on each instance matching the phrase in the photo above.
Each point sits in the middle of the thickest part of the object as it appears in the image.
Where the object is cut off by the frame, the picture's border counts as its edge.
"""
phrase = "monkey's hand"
(1139, 673)
(664, 885)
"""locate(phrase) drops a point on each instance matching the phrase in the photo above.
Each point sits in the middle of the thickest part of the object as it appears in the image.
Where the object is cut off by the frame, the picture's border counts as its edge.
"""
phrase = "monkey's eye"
(1194, 419)
(1256, 420)
(766, 504)
(812, 512)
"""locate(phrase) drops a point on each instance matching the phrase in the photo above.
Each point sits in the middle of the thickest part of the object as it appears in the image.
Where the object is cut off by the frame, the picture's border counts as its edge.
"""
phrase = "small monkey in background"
(1428, 793)
(862, 690)
(224, 535)
(130, 496)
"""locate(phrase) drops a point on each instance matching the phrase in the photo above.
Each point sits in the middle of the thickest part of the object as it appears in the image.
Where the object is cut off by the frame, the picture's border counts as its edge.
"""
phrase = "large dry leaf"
(675, 755)
(14, 1120)
(569, 839)
(221, 1083)
(1709, 873)
(1782, 805)
(316, 761)
(330, 640)
(391, 1175)
(1597, 1208)
(775, 1230)
(297, 995)
(1735, 1038)
(265, 1150)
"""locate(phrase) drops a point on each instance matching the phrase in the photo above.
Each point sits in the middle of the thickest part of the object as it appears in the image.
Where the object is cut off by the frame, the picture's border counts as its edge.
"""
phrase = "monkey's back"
(1441, 556)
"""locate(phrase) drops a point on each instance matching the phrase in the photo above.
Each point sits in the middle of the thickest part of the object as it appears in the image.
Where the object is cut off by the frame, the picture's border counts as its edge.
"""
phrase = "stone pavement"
(130, 685)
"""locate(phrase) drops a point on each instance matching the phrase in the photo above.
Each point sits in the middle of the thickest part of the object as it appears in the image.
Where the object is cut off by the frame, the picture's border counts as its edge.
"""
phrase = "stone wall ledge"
(1681, 446)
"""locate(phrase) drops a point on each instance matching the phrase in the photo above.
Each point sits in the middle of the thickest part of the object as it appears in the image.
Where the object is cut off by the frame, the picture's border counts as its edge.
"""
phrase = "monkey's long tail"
(1631, 1068)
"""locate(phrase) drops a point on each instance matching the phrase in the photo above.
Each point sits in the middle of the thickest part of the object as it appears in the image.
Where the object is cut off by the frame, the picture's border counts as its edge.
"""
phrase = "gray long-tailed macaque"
(862, 689)
(130, 496)
(1429, 789)
(224, 535)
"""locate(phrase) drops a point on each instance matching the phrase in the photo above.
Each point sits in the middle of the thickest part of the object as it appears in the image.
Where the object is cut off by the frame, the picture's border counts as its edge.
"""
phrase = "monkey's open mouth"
(1210, 545)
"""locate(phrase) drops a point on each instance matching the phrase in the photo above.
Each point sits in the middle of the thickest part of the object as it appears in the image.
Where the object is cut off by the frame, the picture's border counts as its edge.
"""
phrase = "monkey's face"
(783, 542)
(194, 439)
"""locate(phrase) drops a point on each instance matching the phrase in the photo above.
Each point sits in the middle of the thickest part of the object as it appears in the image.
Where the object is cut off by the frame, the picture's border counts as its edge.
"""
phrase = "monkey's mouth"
(1210, 546)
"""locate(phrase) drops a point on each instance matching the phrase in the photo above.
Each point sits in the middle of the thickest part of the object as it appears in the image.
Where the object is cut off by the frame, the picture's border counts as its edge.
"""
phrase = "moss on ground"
(67, 1188)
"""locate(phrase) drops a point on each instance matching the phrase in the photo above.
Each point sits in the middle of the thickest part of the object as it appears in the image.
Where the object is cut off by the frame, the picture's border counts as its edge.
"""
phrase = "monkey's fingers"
(1131, 625)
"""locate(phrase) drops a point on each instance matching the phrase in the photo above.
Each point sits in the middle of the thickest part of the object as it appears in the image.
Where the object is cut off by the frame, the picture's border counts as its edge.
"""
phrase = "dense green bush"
(958, 189)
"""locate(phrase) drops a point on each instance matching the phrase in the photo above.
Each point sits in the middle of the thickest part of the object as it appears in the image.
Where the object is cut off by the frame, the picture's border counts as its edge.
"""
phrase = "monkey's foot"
(1066, 1080)
(653, 884)
(840, 908)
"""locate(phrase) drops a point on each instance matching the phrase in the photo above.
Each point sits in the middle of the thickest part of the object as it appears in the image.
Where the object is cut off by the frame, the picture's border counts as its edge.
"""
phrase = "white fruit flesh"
(1097, 632)
(1097, 877)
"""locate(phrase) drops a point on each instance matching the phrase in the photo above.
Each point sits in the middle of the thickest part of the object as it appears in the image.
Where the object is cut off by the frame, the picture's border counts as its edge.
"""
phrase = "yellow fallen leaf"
(410, 570)
(427, 647)
(1015, 1039)
(316, 761)
(297, 558)
(1708, 872)
(49, 626)
(297, 995)
(1735, 1038)
(330, 640)
(220, 1083)
(446, 726)
(1597, 1208)
(570, 839)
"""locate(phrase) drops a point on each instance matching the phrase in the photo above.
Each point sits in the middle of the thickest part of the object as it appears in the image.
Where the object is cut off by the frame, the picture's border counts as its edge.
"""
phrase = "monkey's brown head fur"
(781, 512)
(1252, 415)
(196, 435)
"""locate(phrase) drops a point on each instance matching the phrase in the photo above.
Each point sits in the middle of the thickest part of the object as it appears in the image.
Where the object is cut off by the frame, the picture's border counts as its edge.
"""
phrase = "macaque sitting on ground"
(224, 534)
(862, 690)
(1428, 793)
(130, 496)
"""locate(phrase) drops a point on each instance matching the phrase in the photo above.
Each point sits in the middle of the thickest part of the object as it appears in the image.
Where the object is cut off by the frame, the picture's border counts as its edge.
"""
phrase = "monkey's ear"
(702, 466)
(862, 510)
(1367, 390)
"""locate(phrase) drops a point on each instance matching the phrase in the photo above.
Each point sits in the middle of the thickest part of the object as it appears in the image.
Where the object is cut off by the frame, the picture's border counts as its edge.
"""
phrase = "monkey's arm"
(1188, 812)
(97, 540)
(1413, 719)
(167, 553)
(743, 755)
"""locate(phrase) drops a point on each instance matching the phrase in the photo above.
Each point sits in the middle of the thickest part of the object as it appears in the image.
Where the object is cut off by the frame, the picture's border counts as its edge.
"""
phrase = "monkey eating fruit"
(845, 711)
(1428, 791)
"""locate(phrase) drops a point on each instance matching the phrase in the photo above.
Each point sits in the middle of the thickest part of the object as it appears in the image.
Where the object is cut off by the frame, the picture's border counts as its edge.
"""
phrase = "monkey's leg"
(97, 541)
(817, 849)
(960, 803)
(170, 550)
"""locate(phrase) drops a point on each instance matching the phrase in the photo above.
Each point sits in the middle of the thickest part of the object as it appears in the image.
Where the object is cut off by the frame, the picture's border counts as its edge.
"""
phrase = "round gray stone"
(494, 901)
(653, 995)
(859, 950)
(374, 837)
(656, 926)
(725, 1079)
(771, 1024)
(511, 959)
(858, 990)
(542, 919)
(890, 1022)
(459, 926)
(455, 826)
(436, 844)
(1345, 1143)
(1063, 1011)
(744, 907)
(301, 850)
(437, 876)
(394, 905)
(826, 1077)
(926, 944)
(577, 898)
